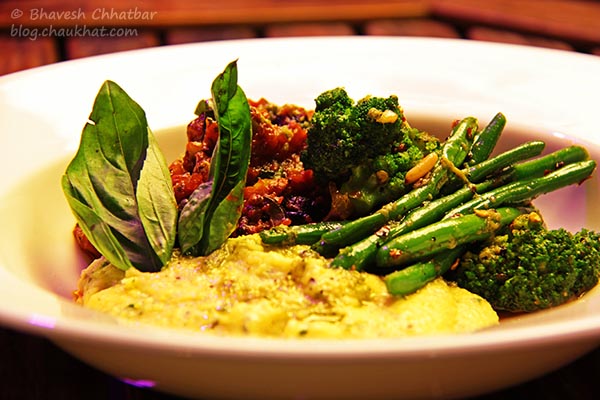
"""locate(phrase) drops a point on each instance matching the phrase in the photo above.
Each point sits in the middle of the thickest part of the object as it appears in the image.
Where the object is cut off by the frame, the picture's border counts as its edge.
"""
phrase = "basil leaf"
(202, 107)
(207, 221)
(156, 202)
(118, 185)
(223, 222)
(191, 220)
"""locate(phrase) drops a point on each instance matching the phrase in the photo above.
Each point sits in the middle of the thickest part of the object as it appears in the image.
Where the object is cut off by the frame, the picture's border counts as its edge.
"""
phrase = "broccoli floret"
(342, 133)
(531, 267)
(365, 148)
(379, 180)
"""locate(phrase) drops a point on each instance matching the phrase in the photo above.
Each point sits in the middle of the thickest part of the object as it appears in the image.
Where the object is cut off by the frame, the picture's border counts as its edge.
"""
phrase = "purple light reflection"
(42, 321)
(141, 383)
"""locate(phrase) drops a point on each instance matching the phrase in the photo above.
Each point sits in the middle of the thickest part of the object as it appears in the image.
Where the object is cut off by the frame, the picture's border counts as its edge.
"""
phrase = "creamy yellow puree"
(247, 288)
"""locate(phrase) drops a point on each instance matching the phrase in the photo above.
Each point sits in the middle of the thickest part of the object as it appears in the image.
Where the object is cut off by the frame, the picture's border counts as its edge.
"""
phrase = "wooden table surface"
(34, 368)
(39, 32)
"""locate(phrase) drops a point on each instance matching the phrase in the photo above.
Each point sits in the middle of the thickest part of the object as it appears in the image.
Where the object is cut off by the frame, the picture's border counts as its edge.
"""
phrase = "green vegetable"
(364, 148)
(412, 278)
(526, 190)
(483, 145)
(512, 193)
(454, 152)
(213, 209)
(360, 255)
(529, 267)
(484, 169)
(485, 141)
(299, 234)
(342, 132)
(118, 185)
(547, 163)
(444, 235)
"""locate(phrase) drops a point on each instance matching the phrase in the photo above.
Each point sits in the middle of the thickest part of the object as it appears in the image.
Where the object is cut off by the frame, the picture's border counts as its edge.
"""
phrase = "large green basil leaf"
(207, 221)
(118, 185)
(190, 228)
(225, 217)
(156, 202)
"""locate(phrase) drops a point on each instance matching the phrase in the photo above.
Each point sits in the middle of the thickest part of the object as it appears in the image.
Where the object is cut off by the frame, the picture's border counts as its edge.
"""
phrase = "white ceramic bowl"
(545, 94)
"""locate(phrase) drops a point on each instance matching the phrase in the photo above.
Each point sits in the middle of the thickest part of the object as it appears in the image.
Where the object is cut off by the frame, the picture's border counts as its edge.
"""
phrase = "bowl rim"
(160, 339)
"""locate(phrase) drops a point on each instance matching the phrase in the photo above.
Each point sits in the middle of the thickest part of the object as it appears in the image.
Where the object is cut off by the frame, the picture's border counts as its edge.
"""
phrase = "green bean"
(361, 254)
(412, 278)
(525, 190)
(483, 145)
(299, 234)
(549, 162)
(485, 141)
(458, 145)
(444, 235)
(494, 166)
(478, 172)
(330, 242)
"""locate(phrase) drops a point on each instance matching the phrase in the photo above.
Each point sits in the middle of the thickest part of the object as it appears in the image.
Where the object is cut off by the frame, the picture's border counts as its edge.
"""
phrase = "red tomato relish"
(279, 190)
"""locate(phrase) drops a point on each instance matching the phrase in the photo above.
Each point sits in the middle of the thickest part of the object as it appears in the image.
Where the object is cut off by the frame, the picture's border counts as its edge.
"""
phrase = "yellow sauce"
(247, 288)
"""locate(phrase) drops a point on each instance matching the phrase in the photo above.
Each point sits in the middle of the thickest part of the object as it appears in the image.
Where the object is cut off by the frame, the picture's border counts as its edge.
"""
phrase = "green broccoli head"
(343, 133)
(333, 99)
(382, 179)
(365, 148)
(531, 267)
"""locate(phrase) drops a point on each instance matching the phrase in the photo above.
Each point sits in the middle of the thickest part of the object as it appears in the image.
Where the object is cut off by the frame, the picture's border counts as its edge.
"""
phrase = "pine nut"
(425, 165)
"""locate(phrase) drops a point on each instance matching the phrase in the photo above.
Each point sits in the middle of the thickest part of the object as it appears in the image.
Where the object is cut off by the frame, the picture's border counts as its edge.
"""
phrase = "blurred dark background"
(34, 33)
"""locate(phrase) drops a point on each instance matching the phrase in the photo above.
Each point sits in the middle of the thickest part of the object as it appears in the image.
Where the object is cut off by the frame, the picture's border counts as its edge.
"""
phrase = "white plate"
(545, 94)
